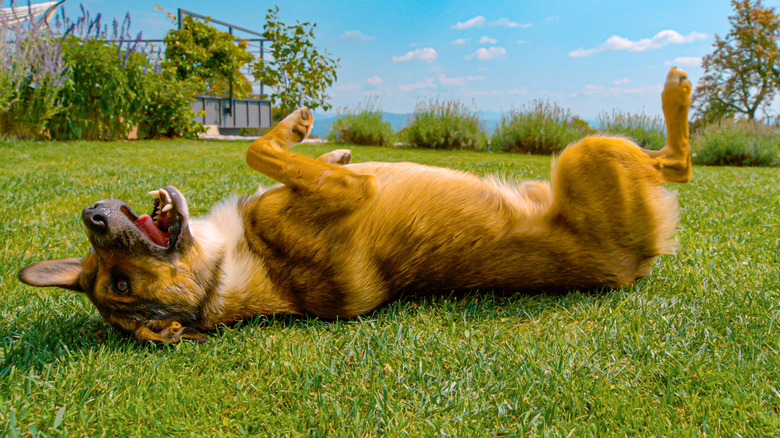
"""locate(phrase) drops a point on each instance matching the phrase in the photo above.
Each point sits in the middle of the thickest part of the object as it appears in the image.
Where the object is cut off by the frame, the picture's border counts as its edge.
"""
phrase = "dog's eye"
(122, 287)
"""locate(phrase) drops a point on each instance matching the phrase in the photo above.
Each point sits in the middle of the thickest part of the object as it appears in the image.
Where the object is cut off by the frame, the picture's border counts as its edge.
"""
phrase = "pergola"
(39, 11)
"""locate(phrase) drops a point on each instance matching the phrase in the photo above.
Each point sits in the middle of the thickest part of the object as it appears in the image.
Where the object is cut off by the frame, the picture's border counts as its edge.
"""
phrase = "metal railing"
(256, 45)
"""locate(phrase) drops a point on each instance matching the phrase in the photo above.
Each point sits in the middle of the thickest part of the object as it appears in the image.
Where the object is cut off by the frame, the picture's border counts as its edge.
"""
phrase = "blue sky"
(589, 56)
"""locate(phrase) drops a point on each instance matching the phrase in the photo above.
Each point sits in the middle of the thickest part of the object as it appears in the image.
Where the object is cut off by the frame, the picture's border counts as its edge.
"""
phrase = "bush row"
(736, 143)
(107, 95)
(88, 84)
(543, 127)
(362, 124)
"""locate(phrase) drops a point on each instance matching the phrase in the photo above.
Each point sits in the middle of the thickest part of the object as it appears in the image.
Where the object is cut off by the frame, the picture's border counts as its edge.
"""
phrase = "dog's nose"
(94, 217)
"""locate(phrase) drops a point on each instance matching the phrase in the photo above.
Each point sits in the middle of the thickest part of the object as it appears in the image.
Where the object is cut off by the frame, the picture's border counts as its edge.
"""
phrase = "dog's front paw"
(344, 156)
(339, 156)
(295, 127)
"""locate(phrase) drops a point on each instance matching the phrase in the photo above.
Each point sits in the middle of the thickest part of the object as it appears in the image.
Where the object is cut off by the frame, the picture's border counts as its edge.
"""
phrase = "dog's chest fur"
(426, 228)
(244, 287)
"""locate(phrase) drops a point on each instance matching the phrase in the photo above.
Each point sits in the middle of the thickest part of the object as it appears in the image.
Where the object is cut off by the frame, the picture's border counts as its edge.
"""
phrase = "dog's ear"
(171, 334)
(64, 273)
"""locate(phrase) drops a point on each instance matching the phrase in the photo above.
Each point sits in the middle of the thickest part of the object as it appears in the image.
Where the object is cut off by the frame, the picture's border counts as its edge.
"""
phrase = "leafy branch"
(299, 72)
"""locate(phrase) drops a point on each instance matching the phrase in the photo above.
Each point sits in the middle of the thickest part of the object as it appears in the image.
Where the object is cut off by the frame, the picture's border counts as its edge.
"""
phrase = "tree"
(298, 72)
(742, 76)
(202, 53)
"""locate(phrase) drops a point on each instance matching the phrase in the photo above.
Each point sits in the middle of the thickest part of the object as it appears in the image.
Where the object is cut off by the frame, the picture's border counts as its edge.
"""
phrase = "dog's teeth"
(167, 207)
(168, 199)
(154, 193)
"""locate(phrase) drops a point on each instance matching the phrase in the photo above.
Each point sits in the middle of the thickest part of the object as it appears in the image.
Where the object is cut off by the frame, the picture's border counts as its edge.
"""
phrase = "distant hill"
(323, 122)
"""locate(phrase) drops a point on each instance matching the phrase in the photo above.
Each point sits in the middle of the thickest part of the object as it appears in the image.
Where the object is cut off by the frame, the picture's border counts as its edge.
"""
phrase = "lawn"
(690, 349)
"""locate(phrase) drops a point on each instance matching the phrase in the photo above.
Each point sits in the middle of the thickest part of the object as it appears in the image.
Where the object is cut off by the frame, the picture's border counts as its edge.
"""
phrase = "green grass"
(691, 349)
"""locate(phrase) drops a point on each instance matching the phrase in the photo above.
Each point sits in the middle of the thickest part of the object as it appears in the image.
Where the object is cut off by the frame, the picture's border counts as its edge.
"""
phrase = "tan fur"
(339, 241)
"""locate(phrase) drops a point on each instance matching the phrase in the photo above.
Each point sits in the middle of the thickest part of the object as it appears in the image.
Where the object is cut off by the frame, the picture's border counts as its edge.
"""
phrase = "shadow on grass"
(46, 341)
(49, 340)
(470, 304)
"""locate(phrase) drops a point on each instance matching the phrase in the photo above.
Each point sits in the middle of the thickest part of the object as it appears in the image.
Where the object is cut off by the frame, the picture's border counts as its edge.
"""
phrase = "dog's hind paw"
(677, 87)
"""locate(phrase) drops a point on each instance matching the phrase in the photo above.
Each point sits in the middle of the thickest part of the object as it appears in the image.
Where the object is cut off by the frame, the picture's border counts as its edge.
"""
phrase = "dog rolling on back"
(338, 241)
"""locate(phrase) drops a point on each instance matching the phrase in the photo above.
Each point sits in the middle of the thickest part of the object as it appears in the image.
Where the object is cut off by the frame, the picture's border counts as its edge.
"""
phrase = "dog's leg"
(339, 156)
(674, 160)
(608, 193)
(270, 156)
(290, 131)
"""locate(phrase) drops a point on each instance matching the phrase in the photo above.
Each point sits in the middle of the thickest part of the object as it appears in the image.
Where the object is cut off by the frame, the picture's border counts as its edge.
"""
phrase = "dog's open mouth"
(163, 225)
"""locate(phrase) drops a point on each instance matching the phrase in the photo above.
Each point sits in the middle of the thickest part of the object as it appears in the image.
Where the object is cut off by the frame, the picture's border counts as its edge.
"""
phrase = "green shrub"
(167, 111)
(542, 127)
(445, 125)
(648, 132)
(105, 95)
(362, 125)
(208, 58)
(736, 143)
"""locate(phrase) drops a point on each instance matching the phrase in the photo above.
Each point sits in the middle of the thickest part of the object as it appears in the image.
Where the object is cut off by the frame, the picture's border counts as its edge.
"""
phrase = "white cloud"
(487, 40)
(621, 81)
(374, 80)
(488, 54)
(520, 91)
(451, 82)
(505, 22)
(482, 93)
(685, 60)
(581, 53)
(459, 41)
(428, 83)
(661, 39)
(355, 36)
(557, 95)
(480, 21)
(458, 81)
(598, 90)
(349, 86)
(427, 55)
(522, 41)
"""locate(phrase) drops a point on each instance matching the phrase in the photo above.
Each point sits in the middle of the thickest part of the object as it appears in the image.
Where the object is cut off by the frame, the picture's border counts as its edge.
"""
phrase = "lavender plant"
(31, 76)
(86, 28)
(362, 124)
(647, 131)
(540, 127)
(448, 124)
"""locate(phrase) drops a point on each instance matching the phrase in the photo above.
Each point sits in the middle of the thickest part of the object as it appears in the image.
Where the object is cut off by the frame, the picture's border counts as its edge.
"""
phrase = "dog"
(338, 240)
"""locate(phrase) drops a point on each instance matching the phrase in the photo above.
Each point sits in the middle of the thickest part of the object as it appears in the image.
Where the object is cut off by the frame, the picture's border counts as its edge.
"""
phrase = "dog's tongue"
(147, 226)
